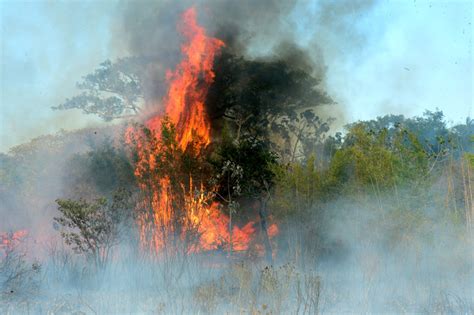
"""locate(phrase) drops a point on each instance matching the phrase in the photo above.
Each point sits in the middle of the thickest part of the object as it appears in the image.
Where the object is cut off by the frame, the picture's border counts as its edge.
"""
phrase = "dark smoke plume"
(264, 30)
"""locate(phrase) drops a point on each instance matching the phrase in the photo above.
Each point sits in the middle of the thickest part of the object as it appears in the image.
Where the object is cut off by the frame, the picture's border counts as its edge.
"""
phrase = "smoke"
(387, 263)
(149, 27)
(372, 265)
(293, 31)
(38, 172)
(366, 262)
(296, 32)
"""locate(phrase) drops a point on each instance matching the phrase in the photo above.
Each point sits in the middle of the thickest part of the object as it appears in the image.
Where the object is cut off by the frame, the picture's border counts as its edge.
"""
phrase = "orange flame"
(184, 108)
(9, 240)
(188, 85)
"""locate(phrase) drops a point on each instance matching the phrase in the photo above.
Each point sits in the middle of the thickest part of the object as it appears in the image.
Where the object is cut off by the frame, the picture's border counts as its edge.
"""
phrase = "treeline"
(399, 168)
(399, 180)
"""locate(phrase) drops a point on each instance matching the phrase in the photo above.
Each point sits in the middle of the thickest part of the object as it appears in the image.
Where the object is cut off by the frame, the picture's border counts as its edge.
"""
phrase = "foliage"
(100, 171)
(260, 97)
(245, 167)
(19, 279)
(303, 135)
(255, 162)
(378, 159)
(299, 187)
(94, 228)
(112, 91)
(430, 130)
(27, 162)
(161, 156)
(385, 165)
(463, 135)
(164, 170)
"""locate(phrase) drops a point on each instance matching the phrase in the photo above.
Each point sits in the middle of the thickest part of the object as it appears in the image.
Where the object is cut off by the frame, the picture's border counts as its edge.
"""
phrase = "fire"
(9, 240)
(188, 85)
(167, 201)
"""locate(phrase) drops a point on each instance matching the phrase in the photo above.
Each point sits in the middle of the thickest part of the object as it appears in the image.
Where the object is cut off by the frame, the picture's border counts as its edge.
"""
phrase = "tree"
(255, 95)
(169, 179)
(463, 134)
(114, 90)
(246, 168)
(101, 171)
(19, 280)
(230, 177)
(430, 129)
(379, 159)
(94, 228)
(304, 135)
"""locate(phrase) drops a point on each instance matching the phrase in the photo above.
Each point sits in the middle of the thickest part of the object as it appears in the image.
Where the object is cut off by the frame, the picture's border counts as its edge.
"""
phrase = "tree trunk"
(230, 233)
(263, 224)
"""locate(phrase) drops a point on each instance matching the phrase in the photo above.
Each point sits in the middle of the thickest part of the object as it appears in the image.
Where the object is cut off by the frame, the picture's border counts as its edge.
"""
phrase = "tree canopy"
(254, 95)
(112, 91)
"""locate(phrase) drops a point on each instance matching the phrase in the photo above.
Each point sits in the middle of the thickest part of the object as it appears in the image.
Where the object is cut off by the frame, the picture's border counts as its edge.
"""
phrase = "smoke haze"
(370, 57)
(400, 52)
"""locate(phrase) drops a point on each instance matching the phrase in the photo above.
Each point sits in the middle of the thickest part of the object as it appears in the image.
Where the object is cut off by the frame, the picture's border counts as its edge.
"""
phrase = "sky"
(46, 47)
(416, 55)
(396, 57)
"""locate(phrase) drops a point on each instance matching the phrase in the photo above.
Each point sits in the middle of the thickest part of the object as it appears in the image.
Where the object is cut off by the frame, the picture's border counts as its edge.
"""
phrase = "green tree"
(463, 135)
(246, 166)
(430, 129)
(94, 228)
(378, 159)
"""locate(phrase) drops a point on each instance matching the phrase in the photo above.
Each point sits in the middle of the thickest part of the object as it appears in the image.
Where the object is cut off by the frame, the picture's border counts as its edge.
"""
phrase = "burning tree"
(171, 169)
(165, 175)
(176, 149)
(170, 143)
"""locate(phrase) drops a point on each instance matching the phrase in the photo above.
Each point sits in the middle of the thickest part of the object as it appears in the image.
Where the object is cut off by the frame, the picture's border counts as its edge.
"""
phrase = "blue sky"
(46, 48)
(416, 55)
(398, 57)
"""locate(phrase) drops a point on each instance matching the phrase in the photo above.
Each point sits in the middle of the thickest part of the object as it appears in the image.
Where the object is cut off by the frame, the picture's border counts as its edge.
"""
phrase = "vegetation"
(390, 182)
(94, 228)
(113, 91)
(385, 201)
